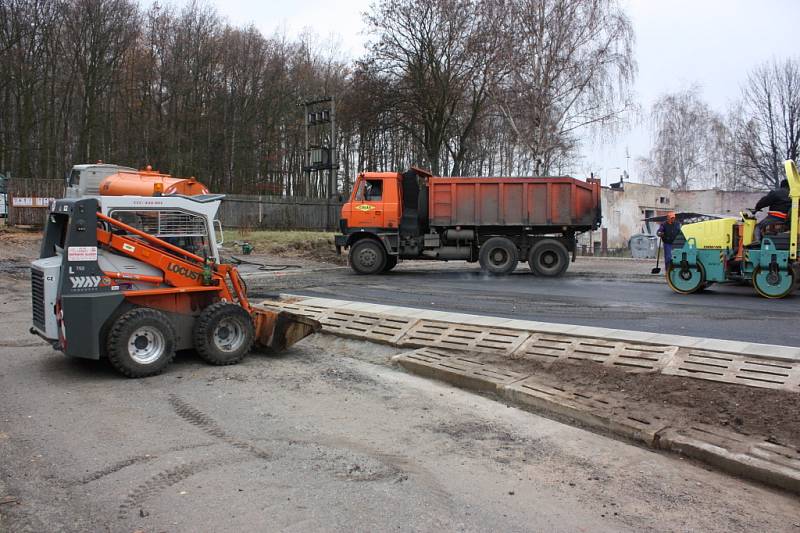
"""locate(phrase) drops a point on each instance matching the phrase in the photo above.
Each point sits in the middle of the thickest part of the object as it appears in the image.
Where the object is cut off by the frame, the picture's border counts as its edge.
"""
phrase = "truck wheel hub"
(499, 256)
(368, 258)
(548, 259)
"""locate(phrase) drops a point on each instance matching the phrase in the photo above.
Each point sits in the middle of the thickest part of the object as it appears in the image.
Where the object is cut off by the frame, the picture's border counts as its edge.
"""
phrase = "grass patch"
(315, 245)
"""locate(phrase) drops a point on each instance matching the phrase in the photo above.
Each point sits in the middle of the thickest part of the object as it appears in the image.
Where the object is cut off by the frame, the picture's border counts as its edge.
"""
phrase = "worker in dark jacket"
(779, 205)
(668, 231)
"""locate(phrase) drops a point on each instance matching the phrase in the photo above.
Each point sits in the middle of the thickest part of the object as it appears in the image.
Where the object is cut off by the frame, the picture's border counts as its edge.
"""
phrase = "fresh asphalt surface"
(721, 311)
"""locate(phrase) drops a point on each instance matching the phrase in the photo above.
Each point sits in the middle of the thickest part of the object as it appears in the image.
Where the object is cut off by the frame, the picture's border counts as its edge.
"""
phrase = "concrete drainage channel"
(459, 348)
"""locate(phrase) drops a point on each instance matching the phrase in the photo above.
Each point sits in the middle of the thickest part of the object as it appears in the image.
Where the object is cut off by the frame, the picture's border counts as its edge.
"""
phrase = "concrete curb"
(759, 460)
(745, 349)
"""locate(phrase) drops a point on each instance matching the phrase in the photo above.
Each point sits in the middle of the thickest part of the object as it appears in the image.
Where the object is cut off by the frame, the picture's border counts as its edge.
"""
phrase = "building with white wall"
(625, 205)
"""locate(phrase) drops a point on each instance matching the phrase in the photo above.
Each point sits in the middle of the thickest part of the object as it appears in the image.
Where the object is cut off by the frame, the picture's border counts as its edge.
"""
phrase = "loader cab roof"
(201, 198)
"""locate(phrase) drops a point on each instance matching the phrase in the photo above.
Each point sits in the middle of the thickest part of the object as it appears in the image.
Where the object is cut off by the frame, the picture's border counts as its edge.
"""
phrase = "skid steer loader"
(135, 278)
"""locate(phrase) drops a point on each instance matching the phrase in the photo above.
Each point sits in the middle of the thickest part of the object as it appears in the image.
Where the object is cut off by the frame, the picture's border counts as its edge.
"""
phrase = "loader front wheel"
(223, 333)
(141, 343)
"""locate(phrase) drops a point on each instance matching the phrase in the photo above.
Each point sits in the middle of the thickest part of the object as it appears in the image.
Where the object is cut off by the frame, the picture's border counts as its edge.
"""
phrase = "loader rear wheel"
(549, 258)
(141, 343)
(368, 256)
(223, 333)
(499, 256)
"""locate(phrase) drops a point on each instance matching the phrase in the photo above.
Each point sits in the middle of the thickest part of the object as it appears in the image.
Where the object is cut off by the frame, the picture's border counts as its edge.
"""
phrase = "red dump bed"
(514, 202)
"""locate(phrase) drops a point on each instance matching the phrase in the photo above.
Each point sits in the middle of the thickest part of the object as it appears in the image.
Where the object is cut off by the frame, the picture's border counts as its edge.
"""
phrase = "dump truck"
(136, 277)
(724, 250)
(496, 221)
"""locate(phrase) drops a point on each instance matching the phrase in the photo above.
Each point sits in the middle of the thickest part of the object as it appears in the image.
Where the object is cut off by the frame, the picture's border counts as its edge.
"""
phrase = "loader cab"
(188, 222)
(375, 202)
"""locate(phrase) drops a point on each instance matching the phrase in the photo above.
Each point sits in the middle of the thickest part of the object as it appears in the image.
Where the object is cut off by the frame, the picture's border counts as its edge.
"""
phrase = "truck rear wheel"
(499, 256)
(548, 257)
(141, 343)
(367, 256)
(223, 333)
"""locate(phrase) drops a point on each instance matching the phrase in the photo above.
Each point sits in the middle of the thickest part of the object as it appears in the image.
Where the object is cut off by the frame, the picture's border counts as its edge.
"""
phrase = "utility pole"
(321, 154)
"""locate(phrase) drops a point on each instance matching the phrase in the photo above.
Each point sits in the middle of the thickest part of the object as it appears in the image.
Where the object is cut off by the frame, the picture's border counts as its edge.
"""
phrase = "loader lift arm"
(181, 268)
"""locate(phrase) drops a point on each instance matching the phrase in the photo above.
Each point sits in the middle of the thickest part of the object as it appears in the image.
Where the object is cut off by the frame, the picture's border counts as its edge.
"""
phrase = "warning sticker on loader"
(82, 253)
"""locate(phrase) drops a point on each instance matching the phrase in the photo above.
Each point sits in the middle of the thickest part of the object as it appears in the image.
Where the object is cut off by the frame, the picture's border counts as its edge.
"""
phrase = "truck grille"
(37, 296)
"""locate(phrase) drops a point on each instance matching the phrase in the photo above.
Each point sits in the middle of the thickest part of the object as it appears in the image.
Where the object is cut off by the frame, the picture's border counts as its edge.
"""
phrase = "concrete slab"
(782, 353)
(743, 458)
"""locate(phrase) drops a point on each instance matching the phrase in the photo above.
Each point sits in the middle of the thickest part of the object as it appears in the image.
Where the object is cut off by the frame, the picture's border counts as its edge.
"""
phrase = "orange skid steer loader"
(135, 278)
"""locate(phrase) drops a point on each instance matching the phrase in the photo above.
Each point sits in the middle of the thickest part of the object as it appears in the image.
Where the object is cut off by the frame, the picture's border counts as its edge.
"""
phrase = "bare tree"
(100, 33)
(687, 136)
(767, 128)
(438, 60)
(572, 70)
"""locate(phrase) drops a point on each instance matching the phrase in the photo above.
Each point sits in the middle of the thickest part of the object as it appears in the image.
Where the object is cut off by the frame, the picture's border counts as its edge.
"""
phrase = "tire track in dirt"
(208, 425)
(175, 475)
(130, 461)
(168, 478)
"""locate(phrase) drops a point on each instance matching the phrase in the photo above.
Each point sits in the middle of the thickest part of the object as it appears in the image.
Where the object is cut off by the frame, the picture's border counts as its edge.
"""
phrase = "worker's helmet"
(671, 216)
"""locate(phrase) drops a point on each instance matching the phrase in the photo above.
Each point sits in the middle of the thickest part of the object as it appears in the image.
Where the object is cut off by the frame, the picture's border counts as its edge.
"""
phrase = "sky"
(679, 43)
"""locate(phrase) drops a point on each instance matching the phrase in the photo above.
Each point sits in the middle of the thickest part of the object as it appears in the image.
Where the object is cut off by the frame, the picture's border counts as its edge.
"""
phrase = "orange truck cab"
(497, 221)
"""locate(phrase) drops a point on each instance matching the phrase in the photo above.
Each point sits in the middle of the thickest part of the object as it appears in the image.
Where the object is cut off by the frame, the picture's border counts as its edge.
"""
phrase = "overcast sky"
(711, 43)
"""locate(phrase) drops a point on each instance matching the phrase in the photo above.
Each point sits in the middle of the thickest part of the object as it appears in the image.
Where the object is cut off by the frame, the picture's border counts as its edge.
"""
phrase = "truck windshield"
(372, 191)
(74, 178)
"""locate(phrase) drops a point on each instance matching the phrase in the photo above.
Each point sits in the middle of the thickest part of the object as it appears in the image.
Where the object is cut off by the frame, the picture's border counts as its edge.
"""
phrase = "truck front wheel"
(499, 256)
(391, 262)
(367, 256)
(548, 257)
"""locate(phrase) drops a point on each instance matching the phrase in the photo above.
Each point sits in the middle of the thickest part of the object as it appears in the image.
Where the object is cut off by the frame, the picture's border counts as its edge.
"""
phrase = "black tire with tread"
(203, 331)
(391, 262)
(371, 247)
(120, 332)
(492, 245)
(551, 246)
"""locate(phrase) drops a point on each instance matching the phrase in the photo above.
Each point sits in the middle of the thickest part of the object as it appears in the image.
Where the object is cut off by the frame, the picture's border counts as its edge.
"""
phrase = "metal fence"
(29, 200)
(277, 212)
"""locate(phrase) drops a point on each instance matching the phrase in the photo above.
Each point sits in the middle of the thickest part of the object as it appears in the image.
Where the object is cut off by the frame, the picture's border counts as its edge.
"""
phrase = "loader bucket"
(277, 329)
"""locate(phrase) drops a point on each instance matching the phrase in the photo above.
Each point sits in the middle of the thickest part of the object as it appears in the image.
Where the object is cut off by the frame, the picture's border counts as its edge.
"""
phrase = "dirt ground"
(773, 414)
(320, 438)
